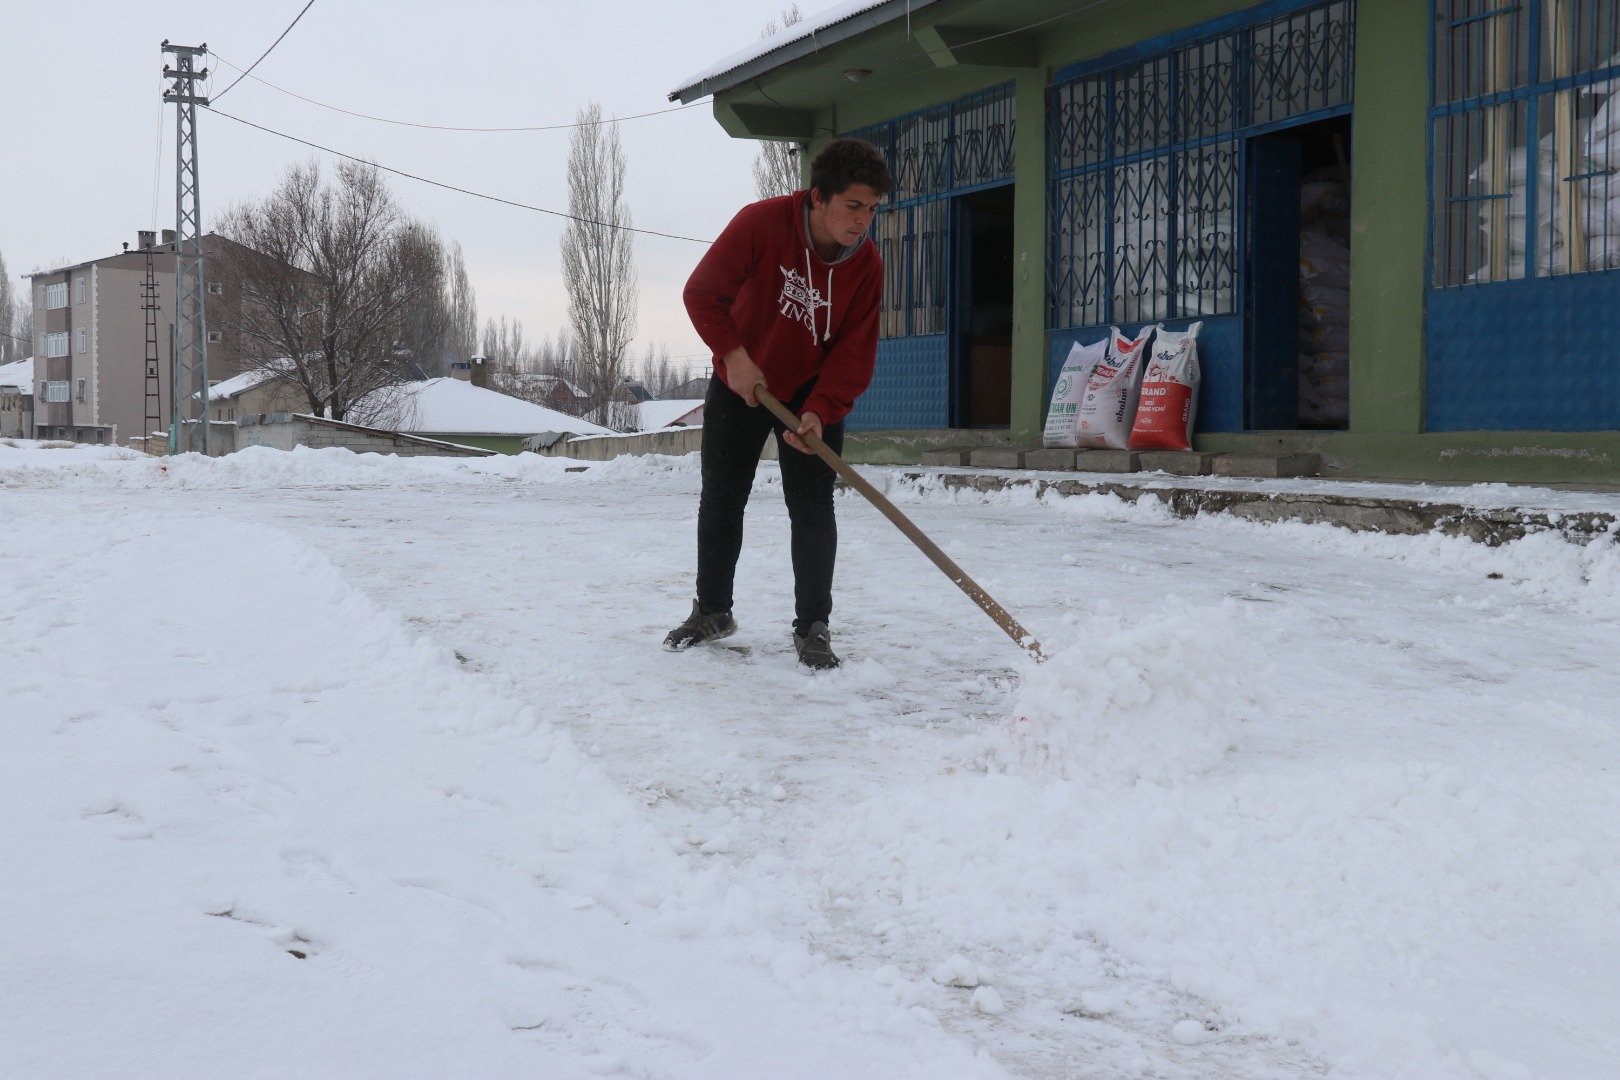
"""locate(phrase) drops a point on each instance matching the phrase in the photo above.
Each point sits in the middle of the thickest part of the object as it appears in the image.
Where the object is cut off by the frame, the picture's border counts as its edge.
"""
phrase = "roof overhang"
(782, 87)
(796, 43)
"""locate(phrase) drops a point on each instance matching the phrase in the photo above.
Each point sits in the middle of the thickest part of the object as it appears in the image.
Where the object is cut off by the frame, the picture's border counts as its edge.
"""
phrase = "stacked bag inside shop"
(1125, 393)
(1324, 303)
(1568, 239)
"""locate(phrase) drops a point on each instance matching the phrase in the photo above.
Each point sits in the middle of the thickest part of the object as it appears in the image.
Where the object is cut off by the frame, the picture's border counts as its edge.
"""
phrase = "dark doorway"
(1298, 311)
(982, 345)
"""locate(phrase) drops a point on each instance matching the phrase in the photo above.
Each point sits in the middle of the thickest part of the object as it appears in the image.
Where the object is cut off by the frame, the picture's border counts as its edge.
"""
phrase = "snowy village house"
(1338, 190)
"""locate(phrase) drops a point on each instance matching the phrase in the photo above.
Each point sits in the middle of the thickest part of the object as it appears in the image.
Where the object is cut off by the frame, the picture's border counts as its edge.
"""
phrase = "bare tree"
(22, 325)
(10, 347)
(461, 336)
(776, 166)
(598, 270)
(659, 373)
(504, 344)
(339, 292)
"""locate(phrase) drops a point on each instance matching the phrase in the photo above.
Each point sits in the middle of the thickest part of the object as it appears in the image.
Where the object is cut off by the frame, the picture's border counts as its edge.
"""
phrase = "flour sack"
(1063, 417)
(1109, 404)
(1169, 398)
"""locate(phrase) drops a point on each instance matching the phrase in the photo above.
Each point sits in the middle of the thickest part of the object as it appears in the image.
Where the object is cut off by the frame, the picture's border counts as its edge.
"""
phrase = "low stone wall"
(283, 431)
(671, 441)
(1394, 515)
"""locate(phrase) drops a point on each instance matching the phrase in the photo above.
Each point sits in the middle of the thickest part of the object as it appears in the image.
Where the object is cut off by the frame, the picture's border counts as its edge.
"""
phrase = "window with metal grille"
(933, 155)
(1146, 162)
(1508, 77)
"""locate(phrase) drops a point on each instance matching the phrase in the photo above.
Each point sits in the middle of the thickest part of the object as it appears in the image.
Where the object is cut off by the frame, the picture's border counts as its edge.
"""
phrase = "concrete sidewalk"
(1487, 513)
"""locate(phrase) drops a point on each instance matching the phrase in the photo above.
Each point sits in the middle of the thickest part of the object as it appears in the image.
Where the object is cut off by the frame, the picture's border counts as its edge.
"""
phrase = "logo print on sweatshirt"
(799, 300)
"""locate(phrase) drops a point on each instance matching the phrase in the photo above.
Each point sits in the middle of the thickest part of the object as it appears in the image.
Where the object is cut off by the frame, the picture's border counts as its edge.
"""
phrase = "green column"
(1390, 199)
(1029, 256)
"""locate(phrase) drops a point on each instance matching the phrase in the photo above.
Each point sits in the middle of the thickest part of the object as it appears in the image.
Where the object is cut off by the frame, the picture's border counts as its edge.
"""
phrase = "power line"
(266, 52)
(157, 161)
(448, 127)
(452, 187)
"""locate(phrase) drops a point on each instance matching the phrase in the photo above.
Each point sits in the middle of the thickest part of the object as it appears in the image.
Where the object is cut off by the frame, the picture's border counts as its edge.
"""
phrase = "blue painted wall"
(911, 386)
(1538, 355)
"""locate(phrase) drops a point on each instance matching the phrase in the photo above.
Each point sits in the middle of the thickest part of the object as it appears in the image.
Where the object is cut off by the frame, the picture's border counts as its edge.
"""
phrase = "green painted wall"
(501, 444)
(1389, 197)
(1029, 260)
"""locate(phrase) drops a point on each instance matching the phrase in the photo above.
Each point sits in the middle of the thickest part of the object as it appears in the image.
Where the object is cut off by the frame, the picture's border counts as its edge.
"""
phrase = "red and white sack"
(1063, 415)
(1169, 399)
(1109, 406)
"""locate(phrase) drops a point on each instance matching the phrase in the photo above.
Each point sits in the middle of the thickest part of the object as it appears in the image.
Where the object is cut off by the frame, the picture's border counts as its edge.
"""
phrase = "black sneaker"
(815, 648)
(699, 628)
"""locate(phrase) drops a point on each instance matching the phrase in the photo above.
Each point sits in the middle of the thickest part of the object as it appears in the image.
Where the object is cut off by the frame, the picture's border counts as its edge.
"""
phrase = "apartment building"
(90, 360)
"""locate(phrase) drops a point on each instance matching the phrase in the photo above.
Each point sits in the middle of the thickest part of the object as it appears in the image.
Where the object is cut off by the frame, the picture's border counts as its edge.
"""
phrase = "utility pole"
(149, 304)
(190, 361)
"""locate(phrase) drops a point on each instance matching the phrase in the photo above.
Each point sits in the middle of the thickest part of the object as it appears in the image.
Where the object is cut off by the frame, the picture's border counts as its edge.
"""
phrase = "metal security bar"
(934, 154)
(1146, 157)
(1509, 76)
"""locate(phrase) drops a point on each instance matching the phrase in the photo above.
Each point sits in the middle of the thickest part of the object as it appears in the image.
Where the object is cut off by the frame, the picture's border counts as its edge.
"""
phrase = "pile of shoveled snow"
(1156, 700)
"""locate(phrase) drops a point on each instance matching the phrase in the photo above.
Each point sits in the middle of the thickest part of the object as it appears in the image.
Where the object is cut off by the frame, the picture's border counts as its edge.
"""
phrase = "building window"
(56, 295)
(215, 289)
(1542, 74)
(56, 344)
(78, 287)
(933, 154)
(1146, 163)
(56, 391)
(82, 336)
(81, 391)
(215, 337)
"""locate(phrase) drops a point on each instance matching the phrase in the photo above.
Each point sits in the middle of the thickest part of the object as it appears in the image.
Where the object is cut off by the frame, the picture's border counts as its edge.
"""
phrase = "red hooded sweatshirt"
(763, 286)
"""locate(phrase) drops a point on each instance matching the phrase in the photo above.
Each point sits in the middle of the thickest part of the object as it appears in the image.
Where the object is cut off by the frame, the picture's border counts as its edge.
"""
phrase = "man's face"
(847, 216)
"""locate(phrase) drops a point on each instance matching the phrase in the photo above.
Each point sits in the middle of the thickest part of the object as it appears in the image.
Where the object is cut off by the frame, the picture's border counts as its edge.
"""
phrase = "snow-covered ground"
(318, 764)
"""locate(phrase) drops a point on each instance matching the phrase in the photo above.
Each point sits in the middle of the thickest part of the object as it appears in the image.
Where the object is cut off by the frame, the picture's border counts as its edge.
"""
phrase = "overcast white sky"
(83, 84)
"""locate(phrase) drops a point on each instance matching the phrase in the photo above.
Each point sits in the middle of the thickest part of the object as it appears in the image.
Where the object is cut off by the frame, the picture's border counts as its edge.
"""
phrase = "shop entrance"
(1298, 307)
(981, 353)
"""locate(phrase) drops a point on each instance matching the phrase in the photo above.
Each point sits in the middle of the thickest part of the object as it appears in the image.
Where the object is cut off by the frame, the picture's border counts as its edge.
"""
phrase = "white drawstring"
(827, 333)
(810, 298)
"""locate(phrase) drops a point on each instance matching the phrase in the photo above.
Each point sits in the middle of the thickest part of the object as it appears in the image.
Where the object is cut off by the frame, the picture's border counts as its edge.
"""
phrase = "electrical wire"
(452, 187)
(157, 162)
(448, 127)
(266, 52)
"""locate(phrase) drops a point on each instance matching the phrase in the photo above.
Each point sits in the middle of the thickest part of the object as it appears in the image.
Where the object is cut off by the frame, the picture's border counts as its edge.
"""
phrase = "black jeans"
(733, 437)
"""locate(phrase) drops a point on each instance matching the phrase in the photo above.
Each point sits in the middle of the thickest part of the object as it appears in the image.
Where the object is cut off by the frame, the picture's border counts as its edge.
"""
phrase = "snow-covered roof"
(451, 406)
(811, 34)
(238, 384)
(18, 373)
(659, 414)
(554, 380)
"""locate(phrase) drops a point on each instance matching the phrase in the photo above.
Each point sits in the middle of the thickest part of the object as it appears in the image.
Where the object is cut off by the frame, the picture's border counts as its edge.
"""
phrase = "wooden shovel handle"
(1002, 617)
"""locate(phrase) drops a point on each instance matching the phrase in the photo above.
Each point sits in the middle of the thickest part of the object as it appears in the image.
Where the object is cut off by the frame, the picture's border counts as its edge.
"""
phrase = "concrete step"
(1173, 462)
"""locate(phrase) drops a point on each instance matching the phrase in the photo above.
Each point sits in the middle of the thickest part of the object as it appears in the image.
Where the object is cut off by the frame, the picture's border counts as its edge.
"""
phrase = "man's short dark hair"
(844, 163)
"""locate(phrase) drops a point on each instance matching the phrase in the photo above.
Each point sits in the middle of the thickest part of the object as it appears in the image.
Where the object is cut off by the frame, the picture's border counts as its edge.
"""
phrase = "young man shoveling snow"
(788, 296)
